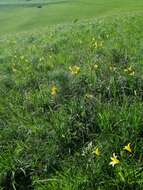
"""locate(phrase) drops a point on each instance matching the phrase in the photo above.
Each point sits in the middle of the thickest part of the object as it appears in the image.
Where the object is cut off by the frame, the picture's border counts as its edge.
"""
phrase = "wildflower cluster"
(97, 152)
(115, 160)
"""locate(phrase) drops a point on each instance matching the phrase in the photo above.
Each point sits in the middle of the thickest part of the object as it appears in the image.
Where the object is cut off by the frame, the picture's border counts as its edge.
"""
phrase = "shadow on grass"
(18, 180)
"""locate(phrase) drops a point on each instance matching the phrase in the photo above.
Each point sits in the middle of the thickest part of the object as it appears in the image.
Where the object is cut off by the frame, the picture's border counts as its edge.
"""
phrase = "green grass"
(52, 120)
(47, 141)
(17, 17)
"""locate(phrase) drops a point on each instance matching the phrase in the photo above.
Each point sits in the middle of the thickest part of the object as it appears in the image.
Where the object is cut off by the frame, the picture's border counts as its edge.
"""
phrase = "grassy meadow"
(71, 95)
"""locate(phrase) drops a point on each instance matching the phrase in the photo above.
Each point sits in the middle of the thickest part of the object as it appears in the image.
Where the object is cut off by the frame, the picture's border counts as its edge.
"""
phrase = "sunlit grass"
(71, 106)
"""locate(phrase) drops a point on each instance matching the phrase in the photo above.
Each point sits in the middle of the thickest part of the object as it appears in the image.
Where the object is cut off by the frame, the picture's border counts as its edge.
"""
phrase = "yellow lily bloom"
(54, 90)
(128, 147)
(130, 71)
(74, 70)
(114, 160)
(97, 152)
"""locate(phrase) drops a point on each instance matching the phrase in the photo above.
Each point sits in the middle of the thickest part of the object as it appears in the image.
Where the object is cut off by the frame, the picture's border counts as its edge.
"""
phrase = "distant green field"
(19, 15)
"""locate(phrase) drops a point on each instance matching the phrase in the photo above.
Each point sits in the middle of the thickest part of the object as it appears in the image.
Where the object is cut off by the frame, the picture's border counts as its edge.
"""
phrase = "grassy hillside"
(70, 99)
(19, 15)
(71, 95)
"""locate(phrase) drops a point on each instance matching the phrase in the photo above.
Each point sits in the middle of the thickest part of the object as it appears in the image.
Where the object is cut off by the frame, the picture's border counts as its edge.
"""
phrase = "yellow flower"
(128, 147)
(74, 70)
(130, 68)
(129, 71)
(97, 152)
(132, 73)
(96, 45)
(114, 160)
(54, 90)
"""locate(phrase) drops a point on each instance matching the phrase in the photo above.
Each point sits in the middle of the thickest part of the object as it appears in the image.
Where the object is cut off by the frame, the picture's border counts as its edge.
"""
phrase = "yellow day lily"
(97, 152)
(114, 160)
(74, 70)
(54, 90)
(128, 147)
(130, 71)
